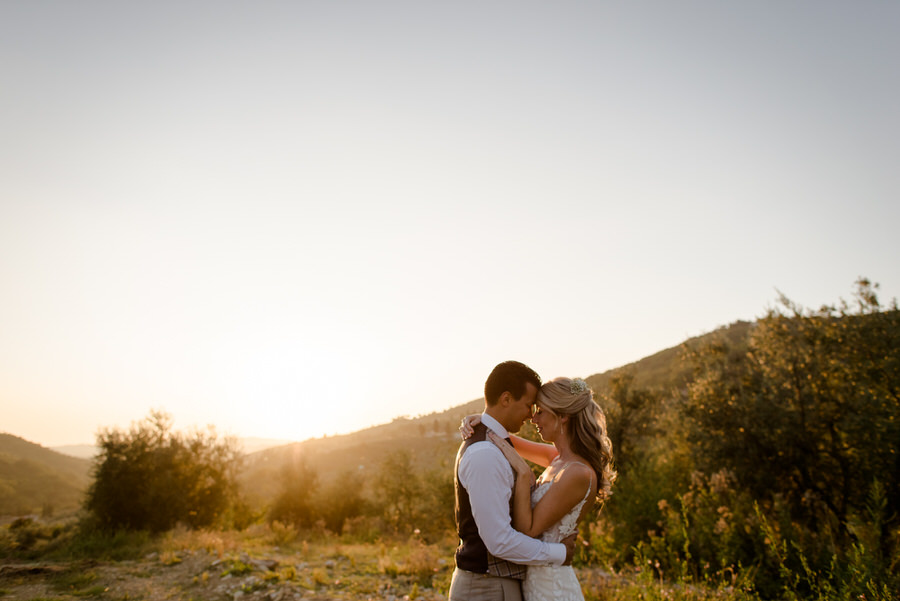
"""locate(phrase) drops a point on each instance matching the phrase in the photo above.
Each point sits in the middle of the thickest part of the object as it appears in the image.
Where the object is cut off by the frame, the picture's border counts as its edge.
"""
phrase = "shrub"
(151, 478)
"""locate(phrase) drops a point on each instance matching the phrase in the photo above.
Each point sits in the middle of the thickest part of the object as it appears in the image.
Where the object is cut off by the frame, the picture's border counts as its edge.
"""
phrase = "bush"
(151, 478)
(295, 501)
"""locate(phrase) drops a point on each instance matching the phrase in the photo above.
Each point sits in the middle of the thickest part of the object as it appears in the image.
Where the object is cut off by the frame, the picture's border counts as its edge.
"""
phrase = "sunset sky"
(290, 219)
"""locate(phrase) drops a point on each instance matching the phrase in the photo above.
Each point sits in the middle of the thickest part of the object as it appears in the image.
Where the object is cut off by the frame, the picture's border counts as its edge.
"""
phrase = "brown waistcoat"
(472, 554)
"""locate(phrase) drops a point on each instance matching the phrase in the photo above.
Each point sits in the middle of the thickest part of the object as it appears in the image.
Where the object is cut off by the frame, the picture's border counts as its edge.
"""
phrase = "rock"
(265, 564)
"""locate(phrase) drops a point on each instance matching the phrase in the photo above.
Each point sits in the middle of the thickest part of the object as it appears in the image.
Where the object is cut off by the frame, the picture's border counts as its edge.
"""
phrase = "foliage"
(775, 464)
(151, 478)
(807, 417)
(343, 499)
(397, 498)
(631, 417)
(27, 538)
(760, 463)
(294, 503)
(410, 501)
(397, 489)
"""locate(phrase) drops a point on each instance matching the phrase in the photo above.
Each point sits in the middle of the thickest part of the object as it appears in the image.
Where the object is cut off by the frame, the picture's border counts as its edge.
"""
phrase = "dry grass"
(276, 563)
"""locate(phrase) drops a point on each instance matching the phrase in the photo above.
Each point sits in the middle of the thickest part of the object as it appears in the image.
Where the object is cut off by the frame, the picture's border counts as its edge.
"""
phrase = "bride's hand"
(467, 427)
(515, 460)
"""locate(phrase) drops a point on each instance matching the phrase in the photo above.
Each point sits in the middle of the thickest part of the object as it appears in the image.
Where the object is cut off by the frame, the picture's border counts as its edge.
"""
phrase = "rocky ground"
(353, 574)
(200, 575)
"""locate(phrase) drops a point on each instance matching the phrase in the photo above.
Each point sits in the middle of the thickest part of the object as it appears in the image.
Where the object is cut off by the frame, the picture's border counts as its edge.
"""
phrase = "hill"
(249, 445)
(667, 368)
(35, 479)
(433, 439)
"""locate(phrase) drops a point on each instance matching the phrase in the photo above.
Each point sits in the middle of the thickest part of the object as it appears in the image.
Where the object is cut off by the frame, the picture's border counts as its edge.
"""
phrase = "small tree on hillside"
(397, 487)
(295, 501)
(151, 478)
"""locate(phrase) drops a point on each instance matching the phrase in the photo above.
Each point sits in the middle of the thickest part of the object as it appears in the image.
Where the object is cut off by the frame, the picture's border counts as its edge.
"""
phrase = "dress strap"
(590, 484)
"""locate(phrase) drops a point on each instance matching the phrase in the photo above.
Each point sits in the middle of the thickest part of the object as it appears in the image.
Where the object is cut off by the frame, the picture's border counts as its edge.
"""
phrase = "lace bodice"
(569, 522)
(555, 583)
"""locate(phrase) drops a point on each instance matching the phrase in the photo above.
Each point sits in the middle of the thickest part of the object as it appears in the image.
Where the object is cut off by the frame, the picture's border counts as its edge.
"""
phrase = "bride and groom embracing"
(516, 535)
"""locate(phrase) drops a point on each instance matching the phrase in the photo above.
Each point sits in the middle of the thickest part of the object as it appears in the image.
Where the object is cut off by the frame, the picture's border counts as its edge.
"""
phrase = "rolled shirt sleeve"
(488, 478)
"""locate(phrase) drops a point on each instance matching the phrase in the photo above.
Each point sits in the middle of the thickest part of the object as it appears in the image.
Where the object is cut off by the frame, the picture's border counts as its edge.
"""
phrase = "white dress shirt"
(487, 476)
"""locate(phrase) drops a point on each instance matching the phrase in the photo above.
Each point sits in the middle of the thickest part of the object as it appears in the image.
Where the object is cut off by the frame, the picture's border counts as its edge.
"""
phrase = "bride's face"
(548, 425)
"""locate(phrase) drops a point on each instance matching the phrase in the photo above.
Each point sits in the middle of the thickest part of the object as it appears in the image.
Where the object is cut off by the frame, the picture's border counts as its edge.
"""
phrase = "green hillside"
(667, 369)
(433, 439)
(34, 479)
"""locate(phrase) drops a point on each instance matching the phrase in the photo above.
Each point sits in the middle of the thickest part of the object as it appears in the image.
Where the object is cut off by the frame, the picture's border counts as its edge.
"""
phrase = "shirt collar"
(494, 425)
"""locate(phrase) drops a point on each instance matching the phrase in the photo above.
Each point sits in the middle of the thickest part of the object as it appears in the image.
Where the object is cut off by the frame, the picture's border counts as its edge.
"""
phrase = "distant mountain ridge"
(36, 479)
(250, 445)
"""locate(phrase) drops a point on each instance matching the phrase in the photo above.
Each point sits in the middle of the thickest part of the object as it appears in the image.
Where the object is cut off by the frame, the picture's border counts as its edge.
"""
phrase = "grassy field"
(276, 563)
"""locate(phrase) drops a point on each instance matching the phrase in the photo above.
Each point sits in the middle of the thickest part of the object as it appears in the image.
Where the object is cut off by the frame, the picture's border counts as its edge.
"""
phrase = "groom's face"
(520, 410)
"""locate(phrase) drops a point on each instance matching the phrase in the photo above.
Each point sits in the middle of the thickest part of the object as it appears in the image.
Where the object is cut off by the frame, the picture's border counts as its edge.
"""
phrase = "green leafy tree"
(295, 503)
(630, 418)
(342, 500)
(398, 489)
(810, 410)
(806, 416)
(152, 478)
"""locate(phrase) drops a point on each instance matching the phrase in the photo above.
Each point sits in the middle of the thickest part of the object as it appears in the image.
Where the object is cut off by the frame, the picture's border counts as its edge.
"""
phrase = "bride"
(578, 462)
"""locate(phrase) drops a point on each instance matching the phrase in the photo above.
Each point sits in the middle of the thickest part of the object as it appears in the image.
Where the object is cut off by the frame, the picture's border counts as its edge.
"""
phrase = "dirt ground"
(197, 575)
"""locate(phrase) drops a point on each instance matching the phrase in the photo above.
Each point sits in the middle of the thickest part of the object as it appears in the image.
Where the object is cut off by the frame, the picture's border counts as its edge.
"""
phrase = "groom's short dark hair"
(509, 376)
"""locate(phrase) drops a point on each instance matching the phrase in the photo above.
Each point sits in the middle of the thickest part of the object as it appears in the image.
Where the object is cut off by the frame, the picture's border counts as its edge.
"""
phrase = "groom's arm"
(488, 478)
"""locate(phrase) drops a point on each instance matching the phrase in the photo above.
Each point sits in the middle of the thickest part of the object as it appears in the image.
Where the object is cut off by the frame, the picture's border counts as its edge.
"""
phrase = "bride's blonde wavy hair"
(586, 427)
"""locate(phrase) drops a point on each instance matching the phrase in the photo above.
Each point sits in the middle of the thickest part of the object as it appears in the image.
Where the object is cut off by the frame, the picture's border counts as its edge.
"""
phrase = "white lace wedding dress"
(554, 583)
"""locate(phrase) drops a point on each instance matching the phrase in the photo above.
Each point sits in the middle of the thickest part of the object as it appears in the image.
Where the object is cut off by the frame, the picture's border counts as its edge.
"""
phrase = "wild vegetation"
(774, 462)
(759, 461)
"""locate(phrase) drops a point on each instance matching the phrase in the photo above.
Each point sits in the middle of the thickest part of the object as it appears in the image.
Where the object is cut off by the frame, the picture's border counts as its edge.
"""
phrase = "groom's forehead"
(530, 392)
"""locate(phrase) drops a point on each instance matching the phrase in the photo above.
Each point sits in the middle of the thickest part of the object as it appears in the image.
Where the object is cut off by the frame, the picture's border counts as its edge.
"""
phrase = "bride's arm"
(536, 452)
(565, 493)
(540, 453)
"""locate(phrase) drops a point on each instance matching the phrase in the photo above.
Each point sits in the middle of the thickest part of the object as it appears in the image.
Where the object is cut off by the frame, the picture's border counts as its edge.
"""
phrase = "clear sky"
(289, 219)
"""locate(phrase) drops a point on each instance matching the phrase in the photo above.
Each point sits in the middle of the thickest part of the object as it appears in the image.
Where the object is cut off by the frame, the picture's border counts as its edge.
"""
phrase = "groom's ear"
(505, 399)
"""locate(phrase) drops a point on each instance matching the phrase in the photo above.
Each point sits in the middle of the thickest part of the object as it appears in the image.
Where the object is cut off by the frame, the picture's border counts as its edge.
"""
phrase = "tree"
(342, 500)
(630, 418)
(152, 478)
(809, 411)
(295, 503)
(398, 487)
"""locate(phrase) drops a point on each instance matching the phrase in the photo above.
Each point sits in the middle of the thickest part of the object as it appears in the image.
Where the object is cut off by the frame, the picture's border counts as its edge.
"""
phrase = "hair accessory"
(578, 386)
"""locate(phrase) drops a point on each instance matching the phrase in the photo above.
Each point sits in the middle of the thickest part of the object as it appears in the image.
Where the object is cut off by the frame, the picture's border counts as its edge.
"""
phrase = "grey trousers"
(468, 586)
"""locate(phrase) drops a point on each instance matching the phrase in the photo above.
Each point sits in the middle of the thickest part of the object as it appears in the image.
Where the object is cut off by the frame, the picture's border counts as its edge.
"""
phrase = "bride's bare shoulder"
(574, 478)
(580, 471)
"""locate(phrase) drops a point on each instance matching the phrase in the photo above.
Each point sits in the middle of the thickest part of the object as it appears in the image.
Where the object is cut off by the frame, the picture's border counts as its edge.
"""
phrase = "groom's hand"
(569, 542)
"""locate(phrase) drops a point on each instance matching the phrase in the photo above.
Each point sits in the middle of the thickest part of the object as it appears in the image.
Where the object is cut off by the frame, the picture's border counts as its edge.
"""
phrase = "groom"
(492, 557)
